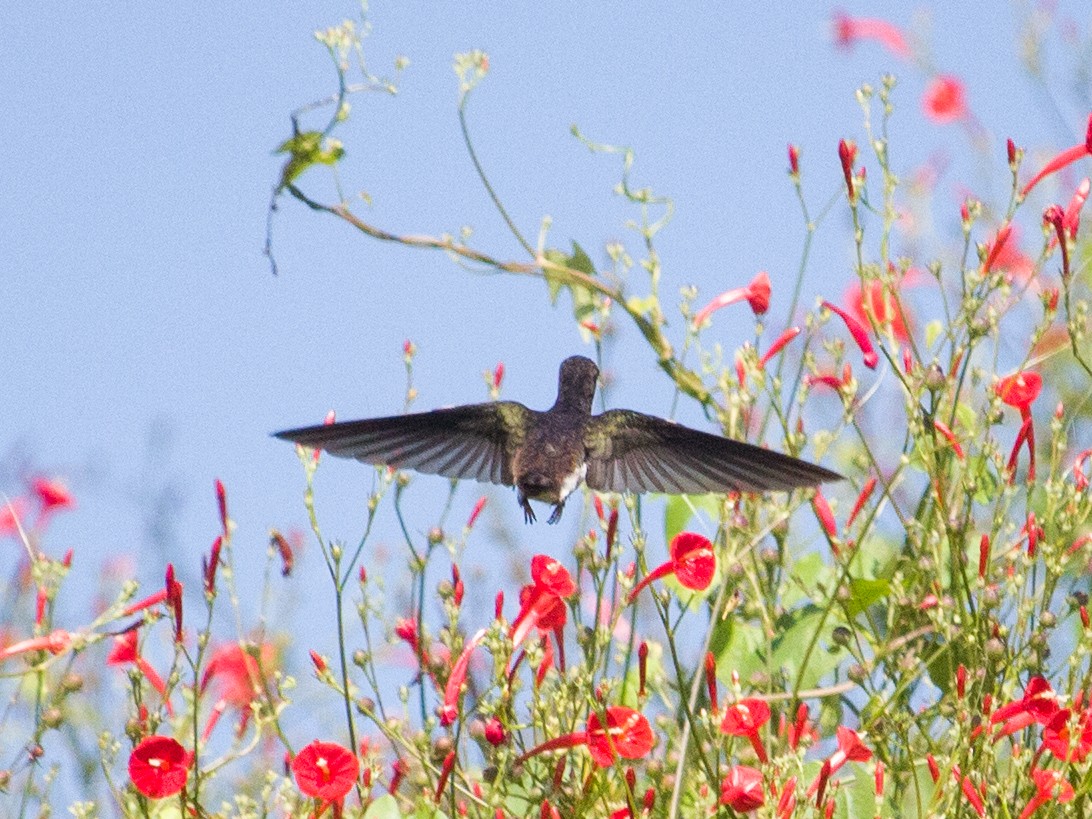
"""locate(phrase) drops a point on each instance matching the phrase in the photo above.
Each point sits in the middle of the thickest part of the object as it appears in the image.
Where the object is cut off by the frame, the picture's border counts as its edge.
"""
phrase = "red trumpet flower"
(692, 562)
(627, 734)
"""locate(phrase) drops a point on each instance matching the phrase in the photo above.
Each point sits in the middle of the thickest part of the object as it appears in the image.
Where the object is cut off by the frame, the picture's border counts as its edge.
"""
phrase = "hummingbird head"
(576, 383)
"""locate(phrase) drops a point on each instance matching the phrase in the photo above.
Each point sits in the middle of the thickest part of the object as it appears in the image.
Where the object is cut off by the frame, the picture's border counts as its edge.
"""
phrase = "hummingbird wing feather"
(629, 451)
(473, 442)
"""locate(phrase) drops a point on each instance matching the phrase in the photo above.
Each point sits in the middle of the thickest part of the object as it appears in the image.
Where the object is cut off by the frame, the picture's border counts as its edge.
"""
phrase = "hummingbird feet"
(556, 515)
(528, 512)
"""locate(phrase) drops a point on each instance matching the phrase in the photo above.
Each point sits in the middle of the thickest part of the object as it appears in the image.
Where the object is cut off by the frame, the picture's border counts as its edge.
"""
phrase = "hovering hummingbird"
(546, 455)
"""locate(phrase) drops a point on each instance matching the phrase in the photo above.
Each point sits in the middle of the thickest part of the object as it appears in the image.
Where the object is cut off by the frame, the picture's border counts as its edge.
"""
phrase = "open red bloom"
(692, 562)
(757, 294)
(944, 99)
(850, 749)
(159, 766)
(541, 604)
(848, 30)
(627, 734)
(325, 770)
(745, 718)
(1039, 704)
(52, 494)
(126, 650)
(1020, 389)
(1066, 157)
(742, 790)
(1069, 740)
(1049, 784)
(882, 303)
(238, 681)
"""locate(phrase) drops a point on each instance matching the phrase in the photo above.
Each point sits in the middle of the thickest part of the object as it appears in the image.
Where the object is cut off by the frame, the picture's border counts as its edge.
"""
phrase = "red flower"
(1039, 704)
(477, 510)
(778, 345)
(494, 732)
(450, 709)
(238, 680)
(1049, 784)
(174, 601)
(221, 506)
(742, 790)
(973, 796)
(1066, 157)
(52, 494)
(236, 672)
(944, 430)
(1003, 253)
(1072, 215)
(757, 294)
(692, 562)
(850, 749)
(627, 734)
(745, 718)
(1079, 478)
(56, 642)
(541, 603)
(882, 303)
(848, 30)
(862, 499)
(860, 335)
(944, 100)
(847, 155)
(125, 650)
(1069, 743)
(159, 766)
(210, 565)
(325, 770)
(824, 514)
(1020, 389)
(794, 160)
(12, 513)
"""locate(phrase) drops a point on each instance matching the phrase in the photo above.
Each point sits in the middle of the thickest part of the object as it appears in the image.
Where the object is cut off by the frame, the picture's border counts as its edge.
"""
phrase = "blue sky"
(145, 348)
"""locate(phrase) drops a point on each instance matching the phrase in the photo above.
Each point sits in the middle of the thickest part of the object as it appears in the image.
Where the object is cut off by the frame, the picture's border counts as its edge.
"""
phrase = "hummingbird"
(547, 455)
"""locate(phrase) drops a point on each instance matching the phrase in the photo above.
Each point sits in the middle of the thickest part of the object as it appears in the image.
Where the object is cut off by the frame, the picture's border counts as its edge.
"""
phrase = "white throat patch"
(571, 482)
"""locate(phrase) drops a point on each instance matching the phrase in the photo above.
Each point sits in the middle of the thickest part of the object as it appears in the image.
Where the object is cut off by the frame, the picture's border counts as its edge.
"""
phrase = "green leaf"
(808, 573)
(791, 646)
(306, 149)
(968, 418)
(738, 646)
(579, 260)
(932, 332)
(385, 807)
(583, 298)
(641, 306)
(864, 593)
(987, 486)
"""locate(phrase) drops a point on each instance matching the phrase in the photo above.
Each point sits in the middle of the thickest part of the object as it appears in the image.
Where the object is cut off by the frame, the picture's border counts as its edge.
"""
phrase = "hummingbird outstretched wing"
(473, 442)
(632, 452)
